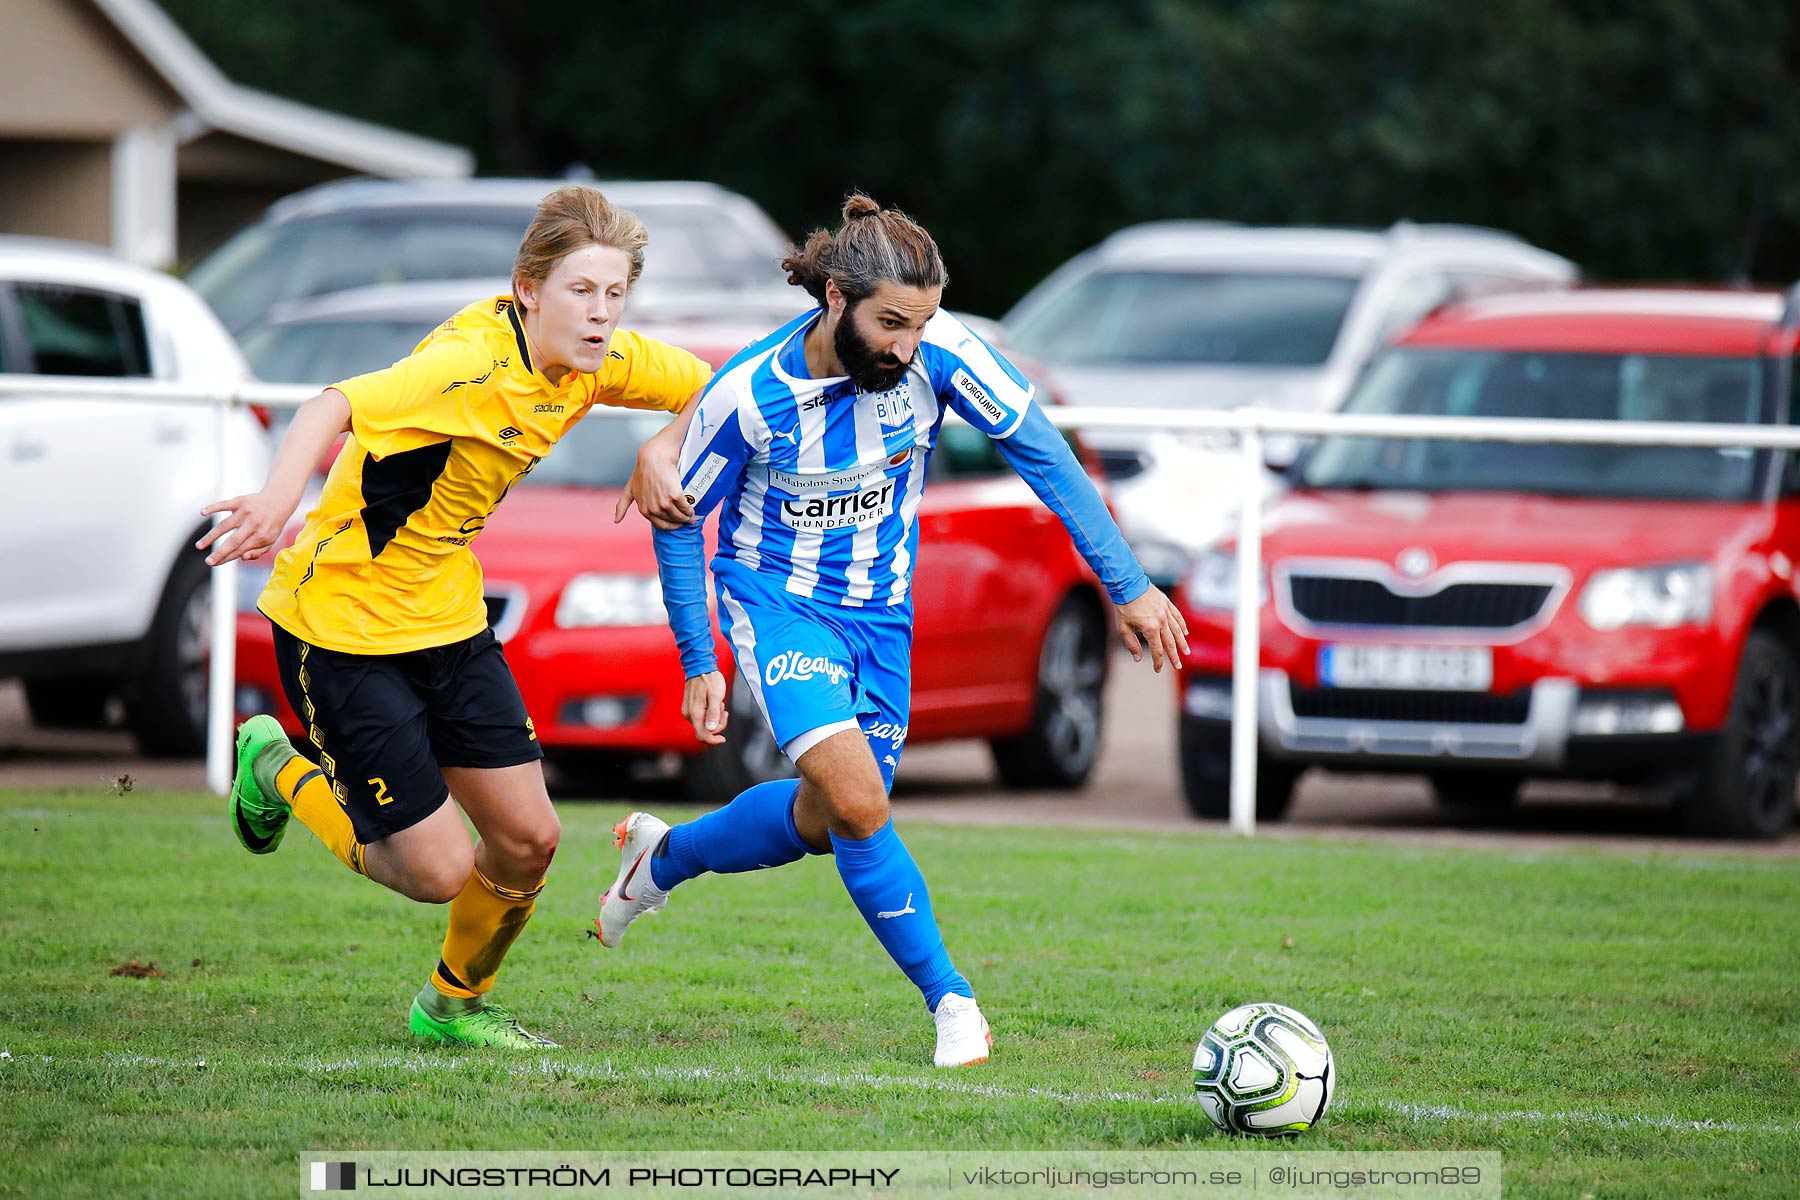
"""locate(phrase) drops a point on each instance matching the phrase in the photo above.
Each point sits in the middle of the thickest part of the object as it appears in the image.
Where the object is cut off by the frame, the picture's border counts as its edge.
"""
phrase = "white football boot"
(634, 892)
(963, 1035)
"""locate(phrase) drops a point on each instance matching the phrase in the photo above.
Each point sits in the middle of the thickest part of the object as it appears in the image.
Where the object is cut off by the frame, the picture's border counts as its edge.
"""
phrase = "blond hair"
(874, 245)
(574, 218)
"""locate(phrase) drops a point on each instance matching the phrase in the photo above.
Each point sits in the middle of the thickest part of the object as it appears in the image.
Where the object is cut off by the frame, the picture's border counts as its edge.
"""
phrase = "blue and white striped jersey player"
(816, 440)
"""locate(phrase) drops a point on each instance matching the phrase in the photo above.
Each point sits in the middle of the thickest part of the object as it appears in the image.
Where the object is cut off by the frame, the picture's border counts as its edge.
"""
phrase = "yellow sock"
(484, 920)
(305, 789)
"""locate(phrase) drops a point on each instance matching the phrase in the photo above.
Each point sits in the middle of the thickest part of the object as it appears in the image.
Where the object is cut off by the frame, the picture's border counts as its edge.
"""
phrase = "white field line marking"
(860, 1080)
(1449, 1112)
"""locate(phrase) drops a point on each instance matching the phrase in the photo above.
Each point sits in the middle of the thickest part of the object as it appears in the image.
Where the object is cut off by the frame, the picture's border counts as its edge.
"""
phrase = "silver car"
(1208, 314)
(712, 252)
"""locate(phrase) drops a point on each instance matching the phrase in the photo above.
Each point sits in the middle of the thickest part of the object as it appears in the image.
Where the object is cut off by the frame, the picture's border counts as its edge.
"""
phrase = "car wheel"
(68, 703)
(1473, 791)
(165, 707)
(1206, 775)
(749, 756)
(1061, 745)
(1747, 787)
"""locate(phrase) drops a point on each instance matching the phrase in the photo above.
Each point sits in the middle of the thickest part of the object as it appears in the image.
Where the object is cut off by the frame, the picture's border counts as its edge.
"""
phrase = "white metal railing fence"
(1248, 426)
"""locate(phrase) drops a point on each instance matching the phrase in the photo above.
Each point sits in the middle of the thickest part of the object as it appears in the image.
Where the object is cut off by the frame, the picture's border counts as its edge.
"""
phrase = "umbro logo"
(509, 433)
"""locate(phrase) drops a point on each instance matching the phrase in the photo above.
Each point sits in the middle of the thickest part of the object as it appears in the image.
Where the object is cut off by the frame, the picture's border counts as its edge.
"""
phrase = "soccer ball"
(1264, 1070)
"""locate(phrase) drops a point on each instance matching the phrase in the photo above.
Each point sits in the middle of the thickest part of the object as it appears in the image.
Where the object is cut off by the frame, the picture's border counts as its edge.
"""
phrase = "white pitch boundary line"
(1603, 1120)
(860, 1080)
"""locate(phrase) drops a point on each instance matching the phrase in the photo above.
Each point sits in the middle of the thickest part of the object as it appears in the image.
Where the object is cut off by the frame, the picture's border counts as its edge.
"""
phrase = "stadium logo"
(334, 1177)
(977, 395)
(842, 511)
(791, 664)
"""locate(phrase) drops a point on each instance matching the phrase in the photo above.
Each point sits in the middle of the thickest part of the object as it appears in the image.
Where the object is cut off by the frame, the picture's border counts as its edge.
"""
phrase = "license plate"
(1434, 668)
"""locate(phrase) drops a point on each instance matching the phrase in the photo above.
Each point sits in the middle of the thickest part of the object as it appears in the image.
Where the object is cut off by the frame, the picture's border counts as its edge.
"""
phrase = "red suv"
(1488, 612)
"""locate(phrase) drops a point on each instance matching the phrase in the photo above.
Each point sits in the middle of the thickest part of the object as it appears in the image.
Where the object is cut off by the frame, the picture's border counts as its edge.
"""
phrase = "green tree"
(1644, 141)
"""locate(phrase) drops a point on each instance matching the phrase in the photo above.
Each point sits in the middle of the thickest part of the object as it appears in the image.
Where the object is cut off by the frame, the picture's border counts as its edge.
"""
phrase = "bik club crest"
(894, 407)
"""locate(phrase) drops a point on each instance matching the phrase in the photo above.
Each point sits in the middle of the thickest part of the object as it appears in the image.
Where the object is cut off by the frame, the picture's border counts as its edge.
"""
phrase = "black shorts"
(381, 725)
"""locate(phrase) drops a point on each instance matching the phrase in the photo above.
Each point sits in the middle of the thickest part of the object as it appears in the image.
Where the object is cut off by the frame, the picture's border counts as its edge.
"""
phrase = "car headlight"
(611, 600)
(1659, 597)
(1212, 584)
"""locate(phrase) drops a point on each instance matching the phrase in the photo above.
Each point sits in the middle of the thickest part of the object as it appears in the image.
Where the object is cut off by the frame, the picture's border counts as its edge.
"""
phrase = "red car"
(1011, 626)
(1486, 612)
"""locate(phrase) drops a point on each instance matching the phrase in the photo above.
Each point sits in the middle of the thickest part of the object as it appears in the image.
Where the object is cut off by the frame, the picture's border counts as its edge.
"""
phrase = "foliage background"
(1655, 140)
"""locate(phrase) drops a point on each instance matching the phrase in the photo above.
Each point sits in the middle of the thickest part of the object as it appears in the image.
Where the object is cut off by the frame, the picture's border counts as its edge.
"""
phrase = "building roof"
(215, 103)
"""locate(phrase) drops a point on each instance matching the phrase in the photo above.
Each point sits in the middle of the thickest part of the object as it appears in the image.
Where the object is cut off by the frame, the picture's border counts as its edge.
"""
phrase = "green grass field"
(1615, 1025)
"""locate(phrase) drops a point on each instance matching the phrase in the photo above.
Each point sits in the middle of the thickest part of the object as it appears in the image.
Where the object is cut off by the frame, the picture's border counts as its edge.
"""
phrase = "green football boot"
(489, 1025)
(259, 816)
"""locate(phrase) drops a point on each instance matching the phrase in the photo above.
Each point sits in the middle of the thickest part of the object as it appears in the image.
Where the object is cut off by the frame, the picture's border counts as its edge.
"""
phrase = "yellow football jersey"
(436, 441)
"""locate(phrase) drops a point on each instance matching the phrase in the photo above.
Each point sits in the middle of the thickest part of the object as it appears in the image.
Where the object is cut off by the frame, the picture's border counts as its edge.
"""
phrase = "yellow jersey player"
(380, 626)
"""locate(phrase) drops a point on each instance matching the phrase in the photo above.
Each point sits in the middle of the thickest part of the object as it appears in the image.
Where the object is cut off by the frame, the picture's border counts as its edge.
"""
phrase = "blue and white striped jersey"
(820, 482)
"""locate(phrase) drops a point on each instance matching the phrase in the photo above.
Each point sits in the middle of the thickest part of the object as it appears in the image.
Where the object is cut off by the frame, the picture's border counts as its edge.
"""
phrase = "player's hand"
(257, 519)
(1153, 620)
(655, 487)
(703, 706)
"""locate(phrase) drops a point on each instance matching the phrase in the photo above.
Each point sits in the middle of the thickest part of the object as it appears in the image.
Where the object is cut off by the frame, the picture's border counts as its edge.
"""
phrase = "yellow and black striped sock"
(308, 793)
(485, 918)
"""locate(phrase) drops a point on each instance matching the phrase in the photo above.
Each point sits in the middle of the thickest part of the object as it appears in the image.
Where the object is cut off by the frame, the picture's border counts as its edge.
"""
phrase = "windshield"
(1511, 383)
(599, 452)
(691, 246)
(1170, 317)
(324, 351)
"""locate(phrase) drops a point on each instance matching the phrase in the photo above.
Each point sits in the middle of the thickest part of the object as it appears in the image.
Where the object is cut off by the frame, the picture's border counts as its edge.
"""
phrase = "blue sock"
(887, 888)
(754, 831)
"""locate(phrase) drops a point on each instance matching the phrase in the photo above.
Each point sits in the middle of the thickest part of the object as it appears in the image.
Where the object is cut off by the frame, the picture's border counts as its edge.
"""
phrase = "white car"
(1211, 315)
(103, 594)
